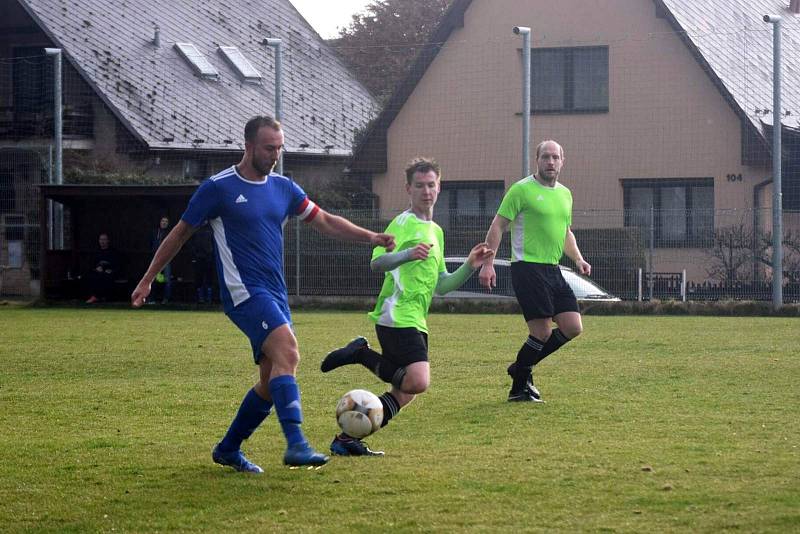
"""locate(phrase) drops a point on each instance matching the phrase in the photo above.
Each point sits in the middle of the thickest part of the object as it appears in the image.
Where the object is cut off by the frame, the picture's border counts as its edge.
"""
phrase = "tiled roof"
(734, 41)
(164, 104)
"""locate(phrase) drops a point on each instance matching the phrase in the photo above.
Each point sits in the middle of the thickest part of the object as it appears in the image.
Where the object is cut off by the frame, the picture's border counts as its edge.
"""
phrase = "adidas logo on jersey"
(240, 199)
(540, 197)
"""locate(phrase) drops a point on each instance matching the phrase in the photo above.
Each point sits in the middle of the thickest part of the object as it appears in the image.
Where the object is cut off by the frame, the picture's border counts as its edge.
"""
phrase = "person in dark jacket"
(162, 289)
(106, 267)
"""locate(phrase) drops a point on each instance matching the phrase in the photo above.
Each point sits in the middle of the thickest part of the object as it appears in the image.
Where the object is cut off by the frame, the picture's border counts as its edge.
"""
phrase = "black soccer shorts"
(541, 290)
(402, 346)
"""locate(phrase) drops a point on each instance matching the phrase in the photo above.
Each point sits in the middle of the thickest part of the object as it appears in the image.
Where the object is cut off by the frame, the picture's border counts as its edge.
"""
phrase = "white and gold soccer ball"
(359, 413)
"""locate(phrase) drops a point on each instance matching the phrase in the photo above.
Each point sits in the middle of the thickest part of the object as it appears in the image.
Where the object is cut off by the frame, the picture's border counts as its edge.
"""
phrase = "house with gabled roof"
(159, 92)
(663, 108)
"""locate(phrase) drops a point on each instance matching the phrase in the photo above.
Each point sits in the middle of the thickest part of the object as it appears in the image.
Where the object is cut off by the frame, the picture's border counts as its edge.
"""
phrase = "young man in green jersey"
(539, 211)
(413, 273)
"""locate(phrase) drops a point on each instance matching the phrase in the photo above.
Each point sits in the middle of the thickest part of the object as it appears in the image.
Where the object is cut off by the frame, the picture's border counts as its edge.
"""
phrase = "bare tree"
(735, 250)
(380, 43)
(732, 250)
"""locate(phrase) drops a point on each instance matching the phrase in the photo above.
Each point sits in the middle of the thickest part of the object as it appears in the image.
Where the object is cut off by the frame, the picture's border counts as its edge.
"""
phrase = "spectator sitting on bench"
(106, 268)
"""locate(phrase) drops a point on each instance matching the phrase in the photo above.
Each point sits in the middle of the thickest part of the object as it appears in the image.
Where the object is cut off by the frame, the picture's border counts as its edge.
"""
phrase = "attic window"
(240, 64)
(197, 61)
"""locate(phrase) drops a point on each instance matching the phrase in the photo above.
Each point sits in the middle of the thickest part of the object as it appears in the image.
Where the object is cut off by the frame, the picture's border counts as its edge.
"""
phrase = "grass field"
(652, 424)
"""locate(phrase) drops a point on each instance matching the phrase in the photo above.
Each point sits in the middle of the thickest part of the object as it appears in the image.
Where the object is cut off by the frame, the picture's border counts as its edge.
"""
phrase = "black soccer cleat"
(344, 445)
(521, 395)
(344, 356)
(529, 385)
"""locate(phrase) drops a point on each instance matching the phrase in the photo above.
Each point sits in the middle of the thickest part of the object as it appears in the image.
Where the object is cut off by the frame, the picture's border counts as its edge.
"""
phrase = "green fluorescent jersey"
(408, 290)
(540, 217)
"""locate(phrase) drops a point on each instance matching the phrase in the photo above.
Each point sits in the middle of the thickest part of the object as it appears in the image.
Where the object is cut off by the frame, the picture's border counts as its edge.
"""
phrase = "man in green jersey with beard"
(538, 210)
(413, 273)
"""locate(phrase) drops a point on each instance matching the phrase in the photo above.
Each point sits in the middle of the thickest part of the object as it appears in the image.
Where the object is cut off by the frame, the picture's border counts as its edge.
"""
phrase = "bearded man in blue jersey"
(246, 206)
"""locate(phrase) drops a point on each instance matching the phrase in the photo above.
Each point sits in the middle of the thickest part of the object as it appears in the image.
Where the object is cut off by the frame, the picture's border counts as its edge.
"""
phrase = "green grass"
(652, 424)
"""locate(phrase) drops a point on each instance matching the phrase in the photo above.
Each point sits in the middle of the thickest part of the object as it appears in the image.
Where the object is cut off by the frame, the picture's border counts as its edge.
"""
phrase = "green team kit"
(407, 290)
(540, 217)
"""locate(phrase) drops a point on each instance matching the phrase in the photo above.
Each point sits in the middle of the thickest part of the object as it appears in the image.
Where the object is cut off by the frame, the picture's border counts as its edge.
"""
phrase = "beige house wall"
(666, 118)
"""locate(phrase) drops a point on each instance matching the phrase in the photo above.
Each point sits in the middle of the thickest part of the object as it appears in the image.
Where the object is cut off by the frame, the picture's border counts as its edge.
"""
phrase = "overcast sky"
(327, 16)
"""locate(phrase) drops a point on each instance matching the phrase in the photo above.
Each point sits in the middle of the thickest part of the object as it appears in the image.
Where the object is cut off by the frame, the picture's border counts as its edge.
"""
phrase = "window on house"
(32, 91)
(569, 80)
(195, 169)
(197, 60)
(680, 211)
(32, 79)
(247, 72)
(8, 196)
(462, 205)
(14, 225)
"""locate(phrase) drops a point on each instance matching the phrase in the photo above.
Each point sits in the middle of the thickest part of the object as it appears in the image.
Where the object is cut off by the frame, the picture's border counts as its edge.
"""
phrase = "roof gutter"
(291, 151)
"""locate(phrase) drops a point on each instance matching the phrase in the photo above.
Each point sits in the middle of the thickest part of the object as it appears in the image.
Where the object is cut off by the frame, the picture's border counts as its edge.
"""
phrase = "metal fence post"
(526, 98)
(58, 120)
(639, 283)
(50, 207)
(652, 246)
(683, 285)
(277, 45)
(777, 197)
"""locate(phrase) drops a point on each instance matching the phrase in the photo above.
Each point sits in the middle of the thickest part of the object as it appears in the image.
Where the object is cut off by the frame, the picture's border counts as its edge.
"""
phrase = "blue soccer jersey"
(247, 219)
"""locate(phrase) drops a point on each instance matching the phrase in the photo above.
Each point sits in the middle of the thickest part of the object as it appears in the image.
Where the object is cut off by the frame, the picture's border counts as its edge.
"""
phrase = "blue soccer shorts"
(258, 317)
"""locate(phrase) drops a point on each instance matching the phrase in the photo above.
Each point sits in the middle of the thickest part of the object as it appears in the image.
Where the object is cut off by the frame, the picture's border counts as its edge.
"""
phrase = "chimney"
(157, 35)
(794, 6)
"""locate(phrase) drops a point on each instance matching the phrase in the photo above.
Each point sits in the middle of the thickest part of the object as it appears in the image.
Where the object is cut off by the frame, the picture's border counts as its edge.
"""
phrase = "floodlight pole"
(277, 44)
(777, 194)
(525, 32)
(56, 209)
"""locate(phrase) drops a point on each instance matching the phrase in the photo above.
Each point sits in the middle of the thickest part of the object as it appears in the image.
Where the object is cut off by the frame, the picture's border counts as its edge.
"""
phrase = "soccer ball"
(359, 413)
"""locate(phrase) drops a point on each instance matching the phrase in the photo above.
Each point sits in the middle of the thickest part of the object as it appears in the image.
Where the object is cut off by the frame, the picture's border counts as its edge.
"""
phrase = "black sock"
(528, 354)
(390, 407)
(380, 366)
(556, 340)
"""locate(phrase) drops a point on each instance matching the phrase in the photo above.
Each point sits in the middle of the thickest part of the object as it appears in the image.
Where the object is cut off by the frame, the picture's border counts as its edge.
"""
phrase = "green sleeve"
(510, 206)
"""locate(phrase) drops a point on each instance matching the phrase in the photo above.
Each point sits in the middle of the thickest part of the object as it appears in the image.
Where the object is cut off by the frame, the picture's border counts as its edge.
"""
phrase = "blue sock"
(286, 396)
(251, 413)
